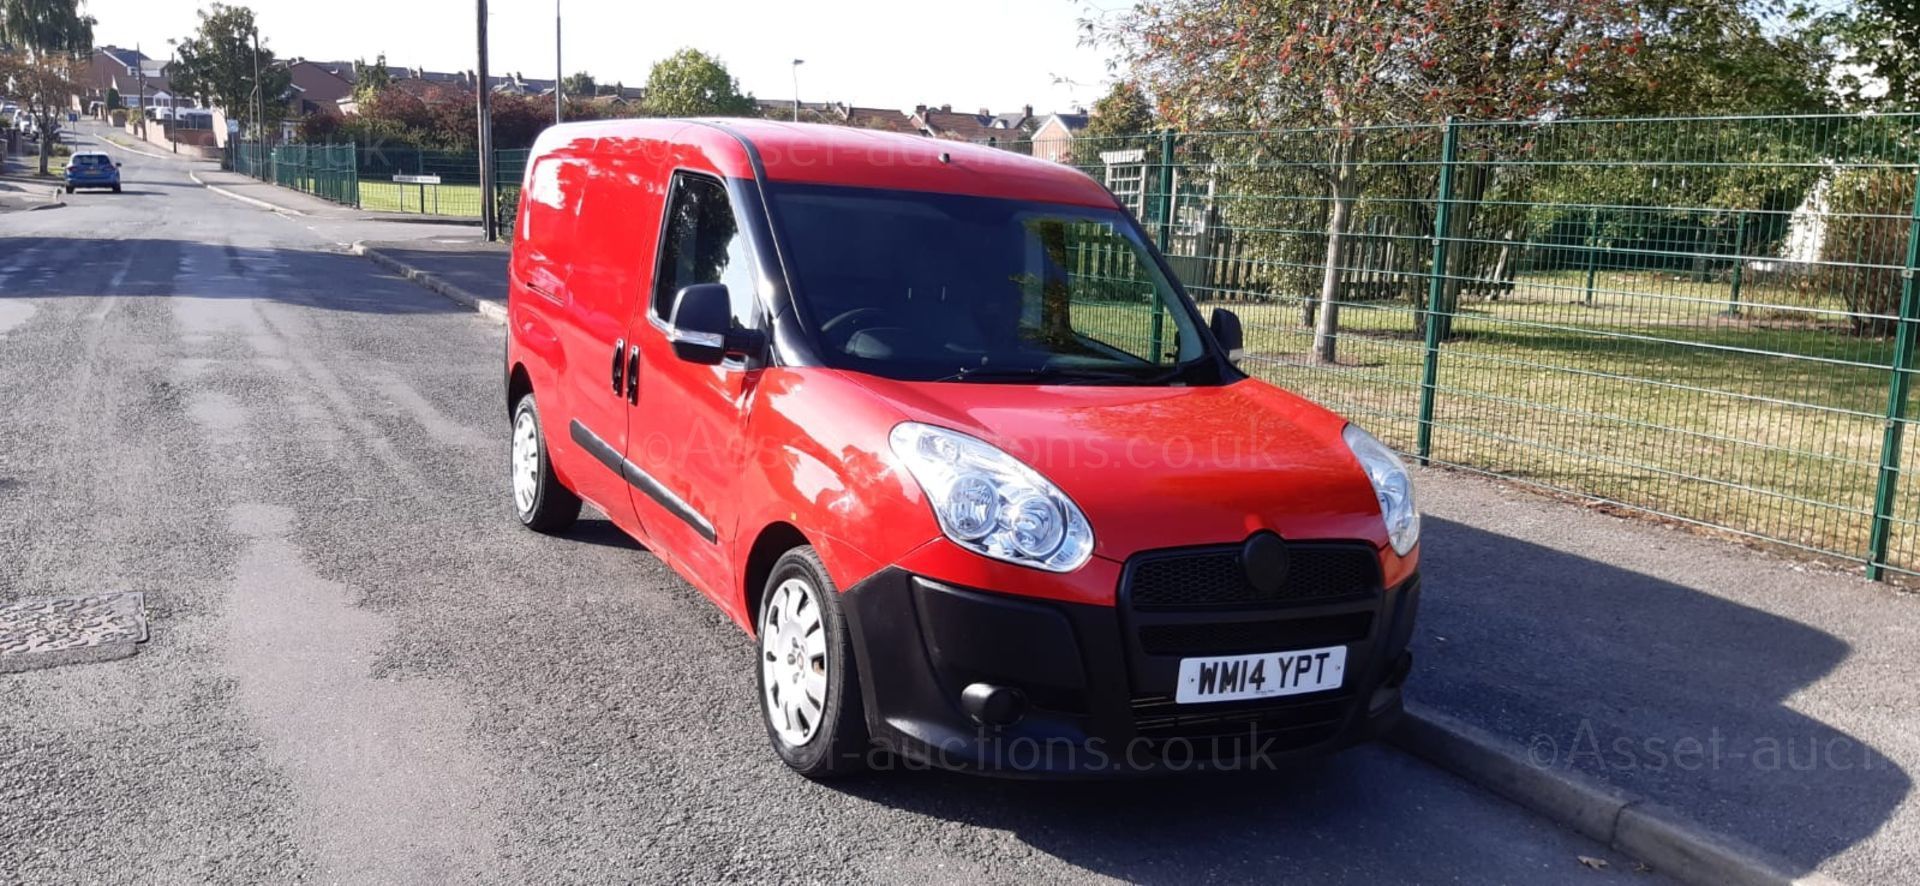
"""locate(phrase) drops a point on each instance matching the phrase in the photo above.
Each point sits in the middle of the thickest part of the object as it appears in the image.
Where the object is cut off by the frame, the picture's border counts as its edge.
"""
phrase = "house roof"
(949, 124)
(774, 105)
(883, 119)
(1071, 122)
(432, 92)
(126, 57)
(981, 128)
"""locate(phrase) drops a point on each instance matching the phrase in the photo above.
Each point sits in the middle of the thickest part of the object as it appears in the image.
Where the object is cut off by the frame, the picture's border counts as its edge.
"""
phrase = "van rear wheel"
(539, 500)
(809, 687)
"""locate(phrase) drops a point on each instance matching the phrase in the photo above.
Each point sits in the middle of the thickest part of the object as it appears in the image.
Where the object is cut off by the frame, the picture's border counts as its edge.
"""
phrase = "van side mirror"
(701, 328)
(1227, 331)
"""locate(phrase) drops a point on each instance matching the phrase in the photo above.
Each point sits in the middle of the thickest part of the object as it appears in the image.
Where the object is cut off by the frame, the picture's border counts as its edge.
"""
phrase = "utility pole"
(796, 88)
(487, 220)
(559, 71)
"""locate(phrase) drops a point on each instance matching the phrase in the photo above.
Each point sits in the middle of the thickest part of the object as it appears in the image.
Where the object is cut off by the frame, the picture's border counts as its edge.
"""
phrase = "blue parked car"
(92, 169)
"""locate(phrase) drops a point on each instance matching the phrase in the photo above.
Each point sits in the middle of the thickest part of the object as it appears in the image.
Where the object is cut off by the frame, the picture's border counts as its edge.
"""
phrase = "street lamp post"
(559, 70)
(260, 92)
(796, 88)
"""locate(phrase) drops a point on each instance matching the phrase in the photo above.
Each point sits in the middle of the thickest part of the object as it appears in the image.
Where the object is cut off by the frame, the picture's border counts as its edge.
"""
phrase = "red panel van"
(936, 424)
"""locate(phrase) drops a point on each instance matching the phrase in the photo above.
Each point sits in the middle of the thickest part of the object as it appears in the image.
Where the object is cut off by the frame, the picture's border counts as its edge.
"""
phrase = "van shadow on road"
(1369, 815)
(1671, 693)
(1603, 669)
(63, 267)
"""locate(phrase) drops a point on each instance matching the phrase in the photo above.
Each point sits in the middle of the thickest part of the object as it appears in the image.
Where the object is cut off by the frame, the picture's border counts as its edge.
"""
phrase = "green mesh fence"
(387, 179)
(1710, 320)
(325, 171)
(509, 169)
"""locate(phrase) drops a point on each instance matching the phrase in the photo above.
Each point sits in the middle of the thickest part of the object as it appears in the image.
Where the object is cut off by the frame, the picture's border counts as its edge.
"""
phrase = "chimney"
(920, 110)
(946, 109)
(1028, 111)
(984, 112)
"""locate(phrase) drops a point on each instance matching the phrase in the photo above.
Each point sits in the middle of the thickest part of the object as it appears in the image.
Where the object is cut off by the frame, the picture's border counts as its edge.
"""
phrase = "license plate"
(1275, 674)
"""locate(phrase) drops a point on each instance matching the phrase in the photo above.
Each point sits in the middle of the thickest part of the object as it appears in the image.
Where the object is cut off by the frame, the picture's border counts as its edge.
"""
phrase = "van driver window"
(703, 244)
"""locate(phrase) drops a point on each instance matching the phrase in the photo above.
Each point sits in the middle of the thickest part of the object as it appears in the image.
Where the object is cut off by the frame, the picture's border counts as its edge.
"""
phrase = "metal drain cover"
(70, 630)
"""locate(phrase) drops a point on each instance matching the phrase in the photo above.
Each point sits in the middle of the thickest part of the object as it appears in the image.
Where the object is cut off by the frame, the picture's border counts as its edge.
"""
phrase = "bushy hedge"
(1868, 225)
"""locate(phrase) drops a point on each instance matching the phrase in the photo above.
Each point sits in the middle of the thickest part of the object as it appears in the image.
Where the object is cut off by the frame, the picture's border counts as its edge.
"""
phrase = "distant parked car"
(92, 169)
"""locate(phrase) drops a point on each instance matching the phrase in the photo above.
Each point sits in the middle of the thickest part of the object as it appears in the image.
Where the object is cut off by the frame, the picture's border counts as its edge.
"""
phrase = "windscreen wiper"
(1054, 375)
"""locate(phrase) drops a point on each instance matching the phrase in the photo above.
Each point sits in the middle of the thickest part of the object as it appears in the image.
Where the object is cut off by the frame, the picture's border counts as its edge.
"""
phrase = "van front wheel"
(809, 690)
(542, 504)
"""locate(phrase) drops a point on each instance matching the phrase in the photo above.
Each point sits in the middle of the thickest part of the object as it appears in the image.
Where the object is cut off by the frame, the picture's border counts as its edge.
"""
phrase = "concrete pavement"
(361, 669)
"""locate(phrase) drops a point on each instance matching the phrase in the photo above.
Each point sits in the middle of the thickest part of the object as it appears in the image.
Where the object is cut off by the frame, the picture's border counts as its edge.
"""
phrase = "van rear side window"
(702, 243)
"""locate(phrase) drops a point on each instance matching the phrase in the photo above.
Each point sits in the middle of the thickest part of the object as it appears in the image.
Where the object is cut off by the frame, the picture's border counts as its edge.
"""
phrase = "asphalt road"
(363, 670)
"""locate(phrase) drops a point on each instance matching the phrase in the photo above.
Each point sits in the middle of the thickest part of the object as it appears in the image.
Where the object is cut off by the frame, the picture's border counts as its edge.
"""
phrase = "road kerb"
(236, 195)
(484, 307)
(1654, 835)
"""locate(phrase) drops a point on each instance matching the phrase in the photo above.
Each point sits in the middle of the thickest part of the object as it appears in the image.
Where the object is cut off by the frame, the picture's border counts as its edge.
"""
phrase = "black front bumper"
(1099, 682)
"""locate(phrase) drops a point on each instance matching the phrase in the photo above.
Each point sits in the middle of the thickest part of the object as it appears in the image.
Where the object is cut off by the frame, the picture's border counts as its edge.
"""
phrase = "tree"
(580, 85)
(1719, 58)
(1880, 40)
(1120, 120)
(218, 63)
(691, 83)
(1344, 68)
(48, 41)
(371, 79)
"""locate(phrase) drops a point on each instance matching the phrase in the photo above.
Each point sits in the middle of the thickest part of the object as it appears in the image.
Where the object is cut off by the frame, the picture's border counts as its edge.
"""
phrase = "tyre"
(809, 686)
(541, 503)
(69, 189)
(116, 189)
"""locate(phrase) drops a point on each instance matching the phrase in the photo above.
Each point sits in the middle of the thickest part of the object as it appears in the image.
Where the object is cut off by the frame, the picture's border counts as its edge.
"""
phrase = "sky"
(972, 54)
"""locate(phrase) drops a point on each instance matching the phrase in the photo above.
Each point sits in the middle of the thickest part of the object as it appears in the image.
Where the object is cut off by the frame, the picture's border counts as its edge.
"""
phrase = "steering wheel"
(851, 322)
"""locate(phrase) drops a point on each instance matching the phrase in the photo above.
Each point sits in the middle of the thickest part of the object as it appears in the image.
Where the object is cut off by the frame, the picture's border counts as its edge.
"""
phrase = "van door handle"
(633, 376)
(619, 367)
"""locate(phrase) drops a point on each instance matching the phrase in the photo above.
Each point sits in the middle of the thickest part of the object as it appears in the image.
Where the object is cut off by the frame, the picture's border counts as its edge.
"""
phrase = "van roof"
(813, 153)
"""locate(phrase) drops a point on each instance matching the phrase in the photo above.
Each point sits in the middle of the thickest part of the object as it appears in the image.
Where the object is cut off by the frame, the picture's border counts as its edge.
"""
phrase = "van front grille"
(1214, 578)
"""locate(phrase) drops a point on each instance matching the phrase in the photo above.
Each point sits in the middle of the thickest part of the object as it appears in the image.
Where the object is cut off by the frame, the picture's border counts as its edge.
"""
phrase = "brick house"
(319, 85)
(111, 68)
(1053, 137)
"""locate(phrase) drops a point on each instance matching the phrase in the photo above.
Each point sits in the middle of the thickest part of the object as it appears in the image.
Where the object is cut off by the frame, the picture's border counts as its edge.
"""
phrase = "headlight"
(1391, 484)
(990, 503)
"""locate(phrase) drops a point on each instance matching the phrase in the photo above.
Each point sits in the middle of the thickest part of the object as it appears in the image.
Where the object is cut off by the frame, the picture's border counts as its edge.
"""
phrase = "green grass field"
(450, 200)
(1769, 423)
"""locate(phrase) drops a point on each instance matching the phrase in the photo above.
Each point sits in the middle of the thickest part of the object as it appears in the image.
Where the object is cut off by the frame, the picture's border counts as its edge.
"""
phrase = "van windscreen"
(922, 286)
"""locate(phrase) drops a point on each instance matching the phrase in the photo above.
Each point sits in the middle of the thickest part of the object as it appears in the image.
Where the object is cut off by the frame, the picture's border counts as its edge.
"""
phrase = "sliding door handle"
(619, 367)
(633, 375)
